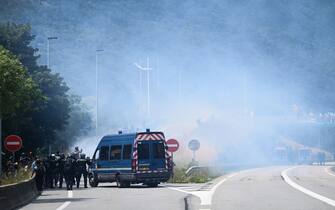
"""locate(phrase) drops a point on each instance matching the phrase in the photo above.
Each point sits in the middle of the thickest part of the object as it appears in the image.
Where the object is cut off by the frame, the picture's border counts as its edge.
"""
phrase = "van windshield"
(143, 151)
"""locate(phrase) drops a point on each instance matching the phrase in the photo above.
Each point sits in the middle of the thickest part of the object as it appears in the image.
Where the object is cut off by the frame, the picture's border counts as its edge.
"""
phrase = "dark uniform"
(61, 163)
(81, 170)
(48, 172)
(52, 171)
(69, 172)
(39, 172)
(24, 160)
(56, 170)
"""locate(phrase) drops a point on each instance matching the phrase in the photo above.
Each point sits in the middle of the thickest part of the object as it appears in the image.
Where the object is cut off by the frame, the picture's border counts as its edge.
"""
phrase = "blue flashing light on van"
(131, 158)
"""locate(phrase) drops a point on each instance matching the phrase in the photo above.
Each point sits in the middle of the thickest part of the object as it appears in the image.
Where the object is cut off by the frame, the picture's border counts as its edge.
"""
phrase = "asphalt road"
(271, 188)
(108, 196)
(266, 188)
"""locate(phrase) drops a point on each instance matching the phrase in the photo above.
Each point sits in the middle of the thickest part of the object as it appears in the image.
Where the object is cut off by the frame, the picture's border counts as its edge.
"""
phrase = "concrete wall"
(16, 195)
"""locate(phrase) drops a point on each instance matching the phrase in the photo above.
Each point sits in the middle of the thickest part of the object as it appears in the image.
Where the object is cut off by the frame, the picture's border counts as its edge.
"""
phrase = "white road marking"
(70, 194)
(328, 171)
(65, 204)
(205, 196)
(304, 190)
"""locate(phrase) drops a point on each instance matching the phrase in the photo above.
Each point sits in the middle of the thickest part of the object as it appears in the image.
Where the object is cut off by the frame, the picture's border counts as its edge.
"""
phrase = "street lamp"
(140, 87)
(96, 90)
(48, 65)
(48, 49)
(147, 69)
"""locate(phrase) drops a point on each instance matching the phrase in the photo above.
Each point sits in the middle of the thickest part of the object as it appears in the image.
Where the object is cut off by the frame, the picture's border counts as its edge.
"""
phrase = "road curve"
(264, 188)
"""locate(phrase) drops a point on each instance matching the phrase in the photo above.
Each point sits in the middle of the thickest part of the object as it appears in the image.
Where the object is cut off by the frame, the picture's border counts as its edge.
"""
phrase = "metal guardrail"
(191, 169)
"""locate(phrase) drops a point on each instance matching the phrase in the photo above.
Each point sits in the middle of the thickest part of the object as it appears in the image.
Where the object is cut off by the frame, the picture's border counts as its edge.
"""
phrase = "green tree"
(57, 119)
(49, 116)
(18, 90)
(17, 38)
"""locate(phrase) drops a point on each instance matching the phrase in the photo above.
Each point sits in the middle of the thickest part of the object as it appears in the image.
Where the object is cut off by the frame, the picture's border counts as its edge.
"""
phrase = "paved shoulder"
(317, 179)
(262, 189)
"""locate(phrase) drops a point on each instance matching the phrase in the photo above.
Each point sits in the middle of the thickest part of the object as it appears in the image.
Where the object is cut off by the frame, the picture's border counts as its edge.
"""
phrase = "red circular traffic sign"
(13, 143)
(172, 144)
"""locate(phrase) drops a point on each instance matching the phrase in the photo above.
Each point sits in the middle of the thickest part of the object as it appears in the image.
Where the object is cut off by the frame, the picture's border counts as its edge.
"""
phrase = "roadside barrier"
(15, 195)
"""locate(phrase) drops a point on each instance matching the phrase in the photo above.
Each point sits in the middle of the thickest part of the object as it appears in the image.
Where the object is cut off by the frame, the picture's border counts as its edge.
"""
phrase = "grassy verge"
(21, 176)
(198, 177)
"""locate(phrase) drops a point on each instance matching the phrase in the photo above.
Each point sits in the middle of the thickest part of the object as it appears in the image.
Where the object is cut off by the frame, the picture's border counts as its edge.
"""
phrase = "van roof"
(129, 137)
(118, 137)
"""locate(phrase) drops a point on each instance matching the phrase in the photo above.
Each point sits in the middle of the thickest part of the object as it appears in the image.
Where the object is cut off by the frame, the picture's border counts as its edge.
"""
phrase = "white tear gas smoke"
(233, 74)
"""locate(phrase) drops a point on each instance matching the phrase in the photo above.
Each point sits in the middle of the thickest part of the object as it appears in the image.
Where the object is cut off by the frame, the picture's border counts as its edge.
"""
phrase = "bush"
(21, 175)
(200, 176)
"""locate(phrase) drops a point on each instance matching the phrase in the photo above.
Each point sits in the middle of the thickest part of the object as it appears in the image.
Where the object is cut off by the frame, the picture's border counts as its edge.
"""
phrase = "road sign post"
(173, 146)
(13, 143)
(194, 145)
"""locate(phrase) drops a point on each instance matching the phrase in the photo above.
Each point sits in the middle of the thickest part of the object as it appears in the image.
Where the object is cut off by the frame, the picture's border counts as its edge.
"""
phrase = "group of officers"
(51, 172)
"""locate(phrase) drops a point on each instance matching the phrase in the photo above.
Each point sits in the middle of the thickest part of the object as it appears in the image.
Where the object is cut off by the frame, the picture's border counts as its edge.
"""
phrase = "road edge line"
(206, 199)
(304, 190)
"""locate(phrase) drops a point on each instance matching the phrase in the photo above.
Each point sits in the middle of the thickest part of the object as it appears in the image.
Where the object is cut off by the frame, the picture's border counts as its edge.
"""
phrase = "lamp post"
(97, 90)
(140, 90)
(48, 65)
(147, 70)
(48, 49)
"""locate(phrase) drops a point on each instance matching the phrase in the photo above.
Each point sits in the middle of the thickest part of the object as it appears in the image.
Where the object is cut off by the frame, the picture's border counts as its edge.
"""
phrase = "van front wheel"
(93, 181)
(121, 184)
(152, 184)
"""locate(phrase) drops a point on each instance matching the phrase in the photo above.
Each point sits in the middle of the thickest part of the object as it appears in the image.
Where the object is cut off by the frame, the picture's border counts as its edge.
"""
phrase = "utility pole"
(48, 65)
(97, 90)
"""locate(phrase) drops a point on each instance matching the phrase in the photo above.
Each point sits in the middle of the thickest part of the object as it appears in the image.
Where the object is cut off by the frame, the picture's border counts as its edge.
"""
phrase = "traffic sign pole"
(173, 146)
(172, 166)
(194, 145)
